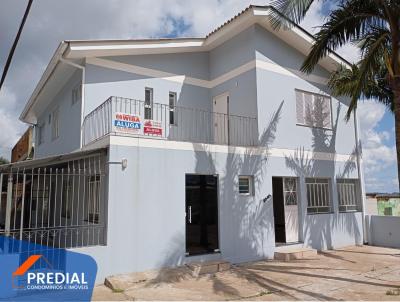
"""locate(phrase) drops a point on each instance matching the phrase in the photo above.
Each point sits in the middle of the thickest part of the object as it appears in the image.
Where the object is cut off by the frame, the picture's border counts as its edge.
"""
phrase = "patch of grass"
(263, 293)
(393, 292)
(117, 290)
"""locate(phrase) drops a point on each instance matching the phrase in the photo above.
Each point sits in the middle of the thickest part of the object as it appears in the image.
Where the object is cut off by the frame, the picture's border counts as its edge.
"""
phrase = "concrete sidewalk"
(353, 273)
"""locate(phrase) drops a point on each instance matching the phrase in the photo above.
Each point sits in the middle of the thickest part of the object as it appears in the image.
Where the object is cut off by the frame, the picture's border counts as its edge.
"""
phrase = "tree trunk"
(396, 92)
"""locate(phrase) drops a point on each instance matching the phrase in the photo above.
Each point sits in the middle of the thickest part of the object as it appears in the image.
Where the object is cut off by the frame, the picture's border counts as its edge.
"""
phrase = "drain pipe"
(82, 93)
(360, 177)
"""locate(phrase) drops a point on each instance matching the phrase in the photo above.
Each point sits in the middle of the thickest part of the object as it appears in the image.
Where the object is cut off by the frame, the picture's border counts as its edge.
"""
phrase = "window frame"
(356, 195)
(76, 94)
(55, 123)
(148, 106)
(313, 95)
(250, 180)
(171, 108)
(329, 205)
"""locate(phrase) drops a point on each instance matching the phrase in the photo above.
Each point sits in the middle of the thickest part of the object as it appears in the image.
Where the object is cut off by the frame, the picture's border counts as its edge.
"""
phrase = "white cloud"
(10, 128)
(52, 21)
(378, 156)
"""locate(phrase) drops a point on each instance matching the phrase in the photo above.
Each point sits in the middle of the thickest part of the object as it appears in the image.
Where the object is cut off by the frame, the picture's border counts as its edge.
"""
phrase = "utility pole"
(12, 50)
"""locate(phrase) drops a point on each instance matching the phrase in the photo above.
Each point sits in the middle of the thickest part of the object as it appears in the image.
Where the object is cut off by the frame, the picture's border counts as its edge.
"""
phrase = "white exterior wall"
(69, 122)
(146, 202)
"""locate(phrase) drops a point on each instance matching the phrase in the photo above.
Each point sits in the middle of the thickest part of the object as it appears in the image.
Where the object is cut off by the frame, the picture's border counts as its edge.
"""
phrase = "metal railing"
(60, 206)
(123, 116)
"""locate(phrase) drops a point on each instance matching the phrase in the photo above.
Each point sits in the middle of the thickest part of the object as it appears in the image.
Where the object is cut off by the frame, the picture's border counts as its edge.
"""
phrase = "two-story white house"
(155, 153)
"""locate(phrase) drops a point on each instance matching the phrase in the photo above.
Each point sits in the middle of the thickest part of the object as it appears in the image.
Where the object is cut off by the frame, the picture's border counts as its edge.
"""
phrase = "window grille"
(318, 195)
(290, 191)
(348, 194)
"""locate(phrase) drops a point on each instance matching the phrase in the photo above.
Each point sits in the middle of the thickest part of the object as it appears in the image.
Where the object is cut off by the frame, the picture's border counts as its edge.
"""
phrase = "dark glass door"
(201, 214)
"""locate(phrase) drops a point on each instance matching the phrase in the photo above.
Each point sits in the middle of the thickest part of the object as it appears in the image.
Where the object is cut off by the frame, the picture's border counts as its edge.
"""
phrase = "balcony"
(135, 118)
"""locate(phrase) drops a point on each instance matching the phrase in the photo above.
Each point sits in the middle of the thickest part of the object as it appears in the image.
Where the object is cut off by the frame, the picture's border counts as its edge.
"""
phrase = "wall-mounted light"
(123, 163)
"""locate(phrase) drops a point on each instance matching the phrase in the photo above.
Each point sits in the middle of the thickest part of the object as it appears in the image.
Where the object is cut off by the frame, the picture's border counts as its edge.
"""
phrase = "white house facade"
(156, 153)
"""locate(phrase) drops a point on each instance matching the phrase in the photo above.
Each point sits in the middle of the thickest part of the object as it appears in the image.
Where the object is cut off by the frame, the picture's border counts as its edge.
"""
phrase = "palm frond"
(294, 10)
(349, 22)
(344, 82)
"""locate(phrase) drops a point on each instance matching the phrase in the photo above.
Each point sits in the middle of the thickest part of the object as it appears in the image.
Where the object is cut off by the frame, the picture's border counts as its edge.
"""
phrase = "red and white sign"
(152, 128)
(128, 123)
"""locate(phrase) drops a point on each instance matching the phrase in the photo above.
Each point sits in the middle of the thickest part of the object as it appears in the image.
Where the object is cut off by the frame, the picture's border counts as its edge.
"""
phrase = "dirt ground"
(353, 273)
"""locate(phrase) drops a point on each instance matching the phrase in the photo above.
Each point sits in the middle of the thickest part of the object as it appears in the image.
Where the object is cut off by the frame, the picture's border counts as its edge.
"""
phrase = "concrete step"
(208, 267)
(294, 253)
(286, 246)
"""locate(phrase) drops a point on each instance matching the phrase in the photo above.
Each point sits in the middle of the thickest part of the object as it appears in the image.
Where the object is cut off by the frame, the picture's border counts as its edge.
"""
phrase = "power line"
(12, 50)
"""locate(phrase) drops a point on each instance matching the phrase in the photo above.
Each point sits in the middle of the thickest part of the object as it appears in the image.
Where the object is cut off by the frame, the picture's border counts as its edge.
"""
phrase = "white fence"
(57, 205)
(383, 230)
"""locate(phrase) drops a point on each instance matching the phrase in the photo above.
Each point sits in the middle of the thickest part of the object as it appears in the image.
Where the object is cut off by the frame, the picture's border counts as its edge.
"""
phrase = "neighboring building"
(371, 205)
(383, 204)
(388, 204)
(23, 149)
(153, 153)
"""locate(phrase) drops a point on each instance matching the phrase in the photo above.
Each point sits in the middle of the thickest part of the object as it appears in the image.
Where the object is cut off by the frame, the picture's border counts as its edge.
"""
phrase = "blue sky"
(52, 21)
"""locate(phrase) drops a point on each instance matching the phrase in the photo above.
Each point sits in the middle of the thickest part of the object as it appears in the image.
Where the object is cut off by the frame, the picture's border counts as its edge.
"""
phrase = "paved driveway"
(353, 273)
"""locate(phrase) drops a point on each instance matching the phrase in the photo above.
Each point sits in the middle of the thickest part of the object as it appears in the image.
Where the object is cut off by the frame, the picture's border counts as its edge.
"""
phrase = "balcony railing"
(128, 117)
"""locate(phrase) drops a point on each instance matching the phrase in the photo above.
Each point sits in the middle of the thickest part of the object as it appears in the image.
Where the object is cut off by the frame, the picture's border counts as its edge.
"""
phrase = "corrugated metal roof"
(51, 160)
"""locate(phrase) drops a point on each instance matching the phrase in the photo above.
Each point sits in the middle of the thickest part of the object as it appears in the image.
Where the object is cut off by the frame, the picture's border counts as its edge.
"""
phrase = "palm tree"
(374, 26)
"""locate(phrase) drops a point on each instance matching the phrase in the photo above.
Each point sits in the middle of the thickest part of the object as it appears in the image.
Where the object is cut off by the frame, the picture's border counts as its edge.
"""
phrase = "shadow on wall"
(319, 229)
(246, 223)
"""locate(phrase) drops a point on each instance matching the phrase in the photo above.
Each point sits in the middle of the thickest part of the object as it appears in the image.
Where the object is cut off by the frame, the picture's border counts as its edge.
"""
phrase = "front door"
(286, 214)
(201, 214)
(221, 119)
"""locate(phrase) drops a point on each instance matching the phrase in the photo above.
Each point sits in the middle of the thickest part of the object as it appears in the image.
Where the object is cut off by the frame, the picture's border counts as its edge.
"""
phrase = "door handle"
(190, 214)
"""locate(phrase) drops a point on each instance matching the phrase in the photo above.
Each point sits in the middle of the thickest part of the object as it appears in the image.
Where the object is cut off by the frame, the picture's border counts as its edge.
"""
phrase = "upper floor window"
(318, 195)
(40, 134)
(55, 127)
(172, 104)
(313, 110)
(148, 103)
(348, 194)
(76, 94)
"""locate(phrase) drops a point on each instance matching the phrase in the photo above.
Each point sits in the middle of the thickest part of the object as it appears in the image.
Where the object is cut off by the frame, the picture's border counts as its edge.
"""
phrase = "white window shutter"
(327, 113)
(300, 107)
(308, 109)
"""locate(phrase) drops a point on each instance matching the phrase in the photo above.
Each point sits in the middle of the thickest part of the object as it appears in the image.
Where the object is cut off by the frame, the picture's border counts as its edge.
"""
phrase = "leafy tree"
(3, 160)
(372, 25)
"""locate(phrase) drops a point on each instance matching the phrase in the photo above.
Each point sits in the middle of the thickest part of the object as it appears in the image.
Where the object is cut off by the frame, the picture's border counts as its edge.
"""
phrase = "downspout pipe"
(82, 68)
(360, 172)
